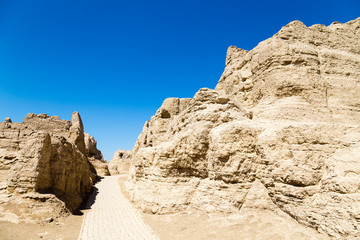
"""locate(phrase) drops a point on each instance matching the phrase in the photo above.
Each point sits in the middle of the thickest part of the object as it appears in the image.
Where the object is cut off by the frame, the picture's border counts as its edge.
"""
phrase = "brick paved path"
(111, 216)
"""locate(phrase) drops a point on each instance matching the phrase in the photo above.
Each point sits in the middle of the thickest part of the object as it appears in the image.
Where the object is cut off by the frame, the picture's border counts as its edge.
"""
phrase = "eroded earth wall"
(45, 168)
(284, 118)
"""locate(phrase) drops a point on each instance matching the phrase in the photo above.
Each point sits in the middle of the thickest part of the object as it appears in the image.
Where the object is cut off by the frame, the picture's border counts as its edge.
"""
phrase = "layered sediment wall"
(45, 167)
(283, 120)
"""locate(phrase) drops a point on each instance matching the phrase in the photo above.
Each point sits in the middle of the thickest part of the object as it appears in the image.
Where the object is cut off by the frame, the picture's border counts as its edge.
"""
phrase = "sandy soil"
(68, 229)
(192, 226)
(202, 226)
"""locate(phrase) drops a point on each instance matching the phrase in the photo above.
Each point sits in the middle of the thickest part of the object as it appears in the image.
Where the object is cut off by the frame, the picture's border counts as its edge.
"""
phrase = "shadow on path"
(90, 200)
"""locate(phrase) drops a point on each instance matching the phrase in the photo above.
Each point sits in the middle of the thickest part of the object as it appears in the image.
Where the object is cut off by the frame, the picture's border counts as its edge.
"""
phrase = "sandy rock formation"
(120, 163)
(8, 120)
(284, 118)
(95, 156)
(44, 168)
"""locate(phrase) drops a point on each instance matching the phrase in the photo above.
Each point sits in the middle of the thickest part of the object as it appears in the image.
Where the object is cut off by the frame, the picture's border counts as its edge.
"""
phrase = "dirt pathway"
(111, 216)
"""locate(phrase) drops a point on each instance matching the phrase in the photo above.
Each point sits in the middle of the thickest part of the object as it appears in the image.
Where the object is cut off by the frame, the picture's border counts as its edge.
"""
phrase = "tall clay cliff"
(45, 171)
(281, 125)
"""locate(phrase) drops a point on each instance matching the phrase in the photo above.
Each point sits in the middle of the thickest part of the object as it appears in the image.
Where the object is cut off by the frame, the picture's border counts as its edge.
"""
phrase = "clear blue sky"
(116, 61)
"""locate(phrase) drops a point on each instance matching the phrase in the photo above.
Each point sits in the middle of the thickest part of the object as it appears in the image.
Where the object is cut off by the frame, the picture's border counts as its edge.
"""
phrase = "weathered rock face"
(44, 166)
(95, 156)
(120, 163)
(284, 118)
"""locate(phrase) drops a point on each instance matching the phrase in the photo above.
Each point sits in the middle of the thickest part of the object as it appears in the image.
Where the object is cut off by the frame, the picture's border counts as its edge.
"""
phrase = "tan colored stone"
(283, 120)
(95, 156)
(45, 167)
(8, 120)
(120, 163)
